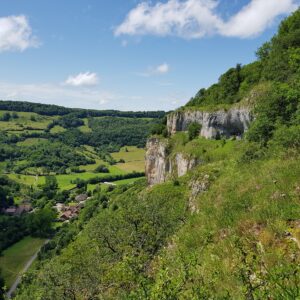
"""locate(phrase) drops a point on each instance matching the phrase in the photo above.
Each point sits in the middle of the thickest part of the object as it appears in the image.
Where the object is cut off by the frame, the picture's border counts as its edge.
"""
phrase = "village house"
(17, 210)
(69, 213)
(81, 197)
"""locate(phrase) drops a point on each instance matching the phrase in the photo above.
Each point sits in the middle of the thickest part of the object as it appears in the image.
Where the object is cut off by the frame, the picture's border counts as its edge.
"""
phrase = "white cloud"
(158, 70)
(57, 94)
(162, 69)
(255, 17)
(16, 34)
(198, 18)
(82, 79)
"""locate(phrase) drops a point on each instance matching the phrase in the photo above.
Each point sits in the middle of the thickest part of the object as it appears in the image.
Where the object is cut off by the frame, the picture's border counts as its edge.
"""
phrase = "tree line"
(53, 110)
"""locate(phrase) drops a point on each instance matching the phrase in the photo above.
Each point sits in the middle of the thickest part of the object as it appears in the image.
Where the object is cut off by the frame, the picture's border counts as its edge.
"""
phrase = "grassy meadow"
(134, 159)
(14, 259)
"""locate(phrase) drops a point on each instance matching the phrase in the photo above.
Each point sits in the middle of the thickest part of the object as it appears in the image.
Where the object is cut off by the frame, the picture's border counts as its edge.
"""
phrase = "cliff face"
(160, 167)
(157, 164)
(233, 122)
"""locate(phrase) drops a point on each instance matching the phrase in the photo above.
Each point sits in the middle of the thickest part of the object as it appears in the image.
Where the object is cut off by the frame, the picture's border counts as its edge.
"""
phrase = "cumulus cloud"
(255, 17)
(198, 18)
(82, 79)
(158, 70)
(16, 34)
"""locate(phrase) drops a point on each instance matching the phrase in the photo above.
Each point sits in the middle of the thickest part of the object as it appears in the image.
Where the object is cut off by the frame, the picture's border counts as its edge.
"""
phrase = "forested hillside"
(226, 228)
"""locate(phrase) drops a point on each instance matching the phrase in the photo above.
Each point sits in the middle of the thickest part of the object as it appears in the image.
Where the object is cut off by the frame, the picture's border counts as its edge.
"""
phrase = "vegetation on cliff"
(228, 229)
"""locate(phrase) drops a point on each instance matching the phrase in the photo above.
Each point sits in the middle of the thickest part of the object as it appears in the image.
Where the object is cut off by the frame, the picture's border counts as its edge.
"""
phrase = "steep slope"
(224, 222)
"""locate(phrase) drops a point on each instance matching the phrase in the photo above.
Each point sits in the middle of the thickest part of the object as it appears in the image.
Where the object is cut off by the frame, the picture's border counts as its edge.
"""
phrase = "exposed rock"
(160, 167)
(197, 187)
(157, 163)
(183, 164)
(233, 122)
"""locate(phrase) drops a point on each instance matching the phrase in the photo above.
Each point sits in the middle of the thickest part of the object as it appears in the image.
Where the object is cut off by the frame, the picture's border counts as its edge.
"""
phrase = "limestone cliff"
(160, 166)
(157, 164)
(233, 122)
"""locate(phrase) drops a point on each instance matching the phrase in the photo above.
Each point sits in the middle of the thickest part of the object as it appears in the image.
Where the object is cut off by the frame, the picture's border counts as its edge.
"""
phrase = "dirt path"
(19, 278)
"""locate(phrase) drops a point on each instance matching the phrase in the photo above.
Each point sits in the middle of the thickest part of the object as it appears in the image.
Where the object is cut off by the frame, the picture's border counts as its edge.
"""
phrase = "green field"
(57, 129)
(85, 127)
(26, 121)
(31, 142)
(27, 179)
(15, 258)
(134, 159)
(127, 181)
(64, 181)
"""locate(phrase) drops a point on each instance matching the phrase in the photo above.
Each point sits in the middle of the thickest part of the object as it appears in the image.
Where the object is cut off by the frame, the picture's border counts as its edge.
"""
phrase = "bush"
(194, 130)
(101, 169)
(287, 137)
(253, 151)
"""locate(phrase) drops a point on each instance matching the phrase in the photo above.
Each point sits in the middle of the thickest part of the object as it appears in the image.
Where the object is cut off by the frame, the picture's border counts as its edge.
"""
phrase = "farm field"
(57, 129)
(15, 257)
(64, 181)
(134, 159)
(25, 121)
(31, 142)
(127, 181)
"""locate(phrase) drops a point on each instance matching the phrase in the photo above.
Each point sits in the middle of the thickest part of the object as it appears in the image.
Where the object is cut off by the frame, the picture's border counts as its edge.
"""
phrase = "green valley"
(199, 203)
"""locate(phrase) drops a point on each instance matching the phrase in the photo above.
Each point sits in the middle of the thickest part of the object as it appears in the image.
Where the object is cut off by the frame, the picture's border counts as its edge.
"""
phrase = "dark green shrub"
(194, 130)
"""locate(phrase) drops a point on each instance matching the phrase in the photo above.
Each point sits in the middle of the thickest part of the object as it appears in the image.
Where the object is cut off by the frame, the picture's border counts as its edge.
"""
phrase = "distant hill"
(51, 110)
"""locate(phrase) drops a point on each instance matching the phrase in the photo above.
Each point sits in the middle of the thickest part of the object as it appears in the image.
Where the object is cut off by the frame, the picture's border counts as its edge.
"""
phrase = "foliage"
(53, 110)
(49, 156)
(2, 287)
(119, 131)
(127, 237)
(40, 223)
(101, 169)
(50, 187)
(278, 61)
(229, 229)
(278, 107)
(194, 130)
(8, 189)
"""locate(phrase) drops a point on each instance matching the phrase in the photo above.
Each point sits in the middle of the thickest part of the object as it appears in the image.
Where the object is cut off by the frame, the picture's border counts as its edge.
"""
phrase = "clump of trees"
(54, 110)
(194, 130)
(101, 169)
(51, 157)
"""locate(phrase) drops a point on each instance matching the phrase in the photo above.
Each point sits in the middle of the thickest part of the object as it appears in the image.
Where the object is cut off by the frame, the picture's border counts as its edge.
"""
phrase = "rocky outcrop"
(233, 122)
(157, 163)
(160, 167)
(182, 164)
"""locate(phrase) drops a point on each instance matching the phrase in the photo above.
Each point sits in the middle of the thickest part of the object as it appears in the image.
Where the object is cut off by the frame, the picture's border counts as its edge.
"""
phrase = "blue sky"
(127, 54)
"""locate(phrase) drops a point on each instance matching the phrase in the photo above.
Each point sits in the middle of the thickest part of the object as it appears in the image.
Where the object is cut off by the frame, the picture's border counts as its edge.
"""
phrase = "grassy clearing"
(57, 129)
(31, 142)
(26, 121)
(15, 258)
(127, 181)
(85, 127)
(65, 180)
(91, 187)
(134, 159)
(27, 179)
